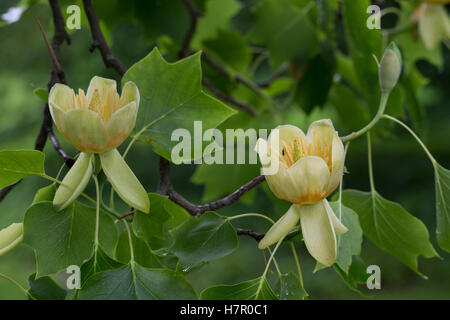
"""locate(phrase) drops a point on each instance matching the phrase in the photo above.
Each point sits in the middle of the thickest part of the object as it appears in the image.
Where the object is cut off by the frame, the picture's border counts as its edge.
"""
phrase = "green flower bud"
(390, 68)
(10, 237)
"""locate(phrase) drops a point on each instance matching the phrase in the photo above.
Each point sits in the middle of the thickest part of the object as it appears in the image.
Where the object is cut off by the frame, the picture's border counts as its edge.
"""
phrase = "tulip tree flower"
(96, 123)
(310, 168)
(434, 24)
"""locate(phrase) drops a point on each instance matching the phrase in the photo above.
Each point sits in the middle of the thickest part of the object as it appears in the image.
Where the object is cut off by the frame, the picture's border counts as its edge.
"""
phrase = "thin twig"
(194, 14)
(251, 233)
(99, 42)
(242, 105)
(56, 75)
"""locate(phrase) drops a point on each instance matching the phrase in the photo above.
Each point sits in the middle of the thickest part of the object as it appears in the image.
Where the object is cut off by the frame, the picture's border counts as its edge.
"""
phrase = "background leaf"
(442, 185)
(390, 227)
(45, 288)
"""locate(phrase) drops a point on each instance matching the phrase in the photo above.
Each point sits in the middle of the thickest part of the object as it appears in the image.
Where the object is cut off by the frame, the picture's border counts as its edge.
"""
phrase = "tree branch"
(219, 94)
(56, 75)
(194, 14)
(99, 42)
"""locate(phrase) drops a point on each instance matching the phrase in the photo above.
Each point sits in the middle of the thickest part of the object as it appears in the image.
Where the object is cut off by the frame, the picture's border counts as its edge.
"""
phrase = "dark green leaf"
(206, 238)
(442, 182)
(247, 290)
(134, 282)
(45, 288)
(288, 287)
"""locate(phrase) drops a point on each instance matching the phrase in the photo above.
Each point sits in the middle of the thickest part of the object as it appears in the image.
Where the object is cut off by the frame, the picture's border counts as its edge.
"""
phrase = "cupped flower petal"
(103, 85)
(74, 182)
(281, 228)
(318, 231)
(304, 182)
(124, 181)
(85, 130)
(337, 163)
(120, 125)
(10, 237)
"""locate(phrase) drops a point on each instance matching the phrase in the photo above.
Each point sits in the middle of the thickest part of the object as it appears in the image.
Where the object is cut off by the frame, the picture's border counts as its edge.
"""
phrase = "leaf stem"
(251, 215)
(369, 157)
(130, 242)
(381, 108)
(97, 217)
(297, 263)
(263, 277)
(275, 263)
(15, 283)
(432, 159)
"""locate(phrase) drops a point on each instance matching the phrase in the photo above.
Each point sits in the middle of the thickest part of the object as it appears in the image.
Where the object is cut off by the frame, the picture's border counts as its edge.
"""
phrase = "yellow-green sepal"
(124, 181)
(10, 237)
(74, 182)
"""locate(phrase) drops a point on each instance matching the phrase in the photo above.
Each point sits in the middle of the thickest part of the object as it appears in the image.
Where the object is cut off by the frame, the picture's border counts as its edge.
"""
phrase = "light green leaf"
(45, 194)
(206, 238)
(288, 287)
(134, 282)
(18, 164)
(65, 238)
(442, 182)
(282, 26)
(45, 288)
(388, 225)
(172, 98)
(242, 291)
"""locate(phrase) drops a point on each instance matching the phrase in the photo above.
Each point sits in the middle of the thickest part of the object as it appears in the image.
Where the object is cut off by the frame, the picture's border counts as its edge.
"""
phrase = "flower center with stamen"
(298, 148)
(105, 105)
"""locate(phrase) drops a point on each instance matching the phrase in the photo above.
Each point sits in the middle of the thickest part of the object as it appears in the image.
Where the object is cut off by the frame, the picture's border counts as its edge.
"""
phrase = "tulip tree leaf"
(247, 290)
(356, 275)
(45, 288)
(41, 93)
(65, 238)
(388, 225)
(143, 254)
(288, 287)
(207, 238)
(98, 263)
(134, 282)
(282, 26)
(154, 228)
(45, 194)
(442, 182)
(18, 164)
(172, 98)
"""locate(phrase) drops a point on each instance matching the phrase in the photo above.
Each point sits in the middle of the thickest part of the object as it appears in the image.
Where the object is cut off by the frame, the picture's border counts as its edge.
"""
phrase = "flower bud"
(390, 68)
(10, 237)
